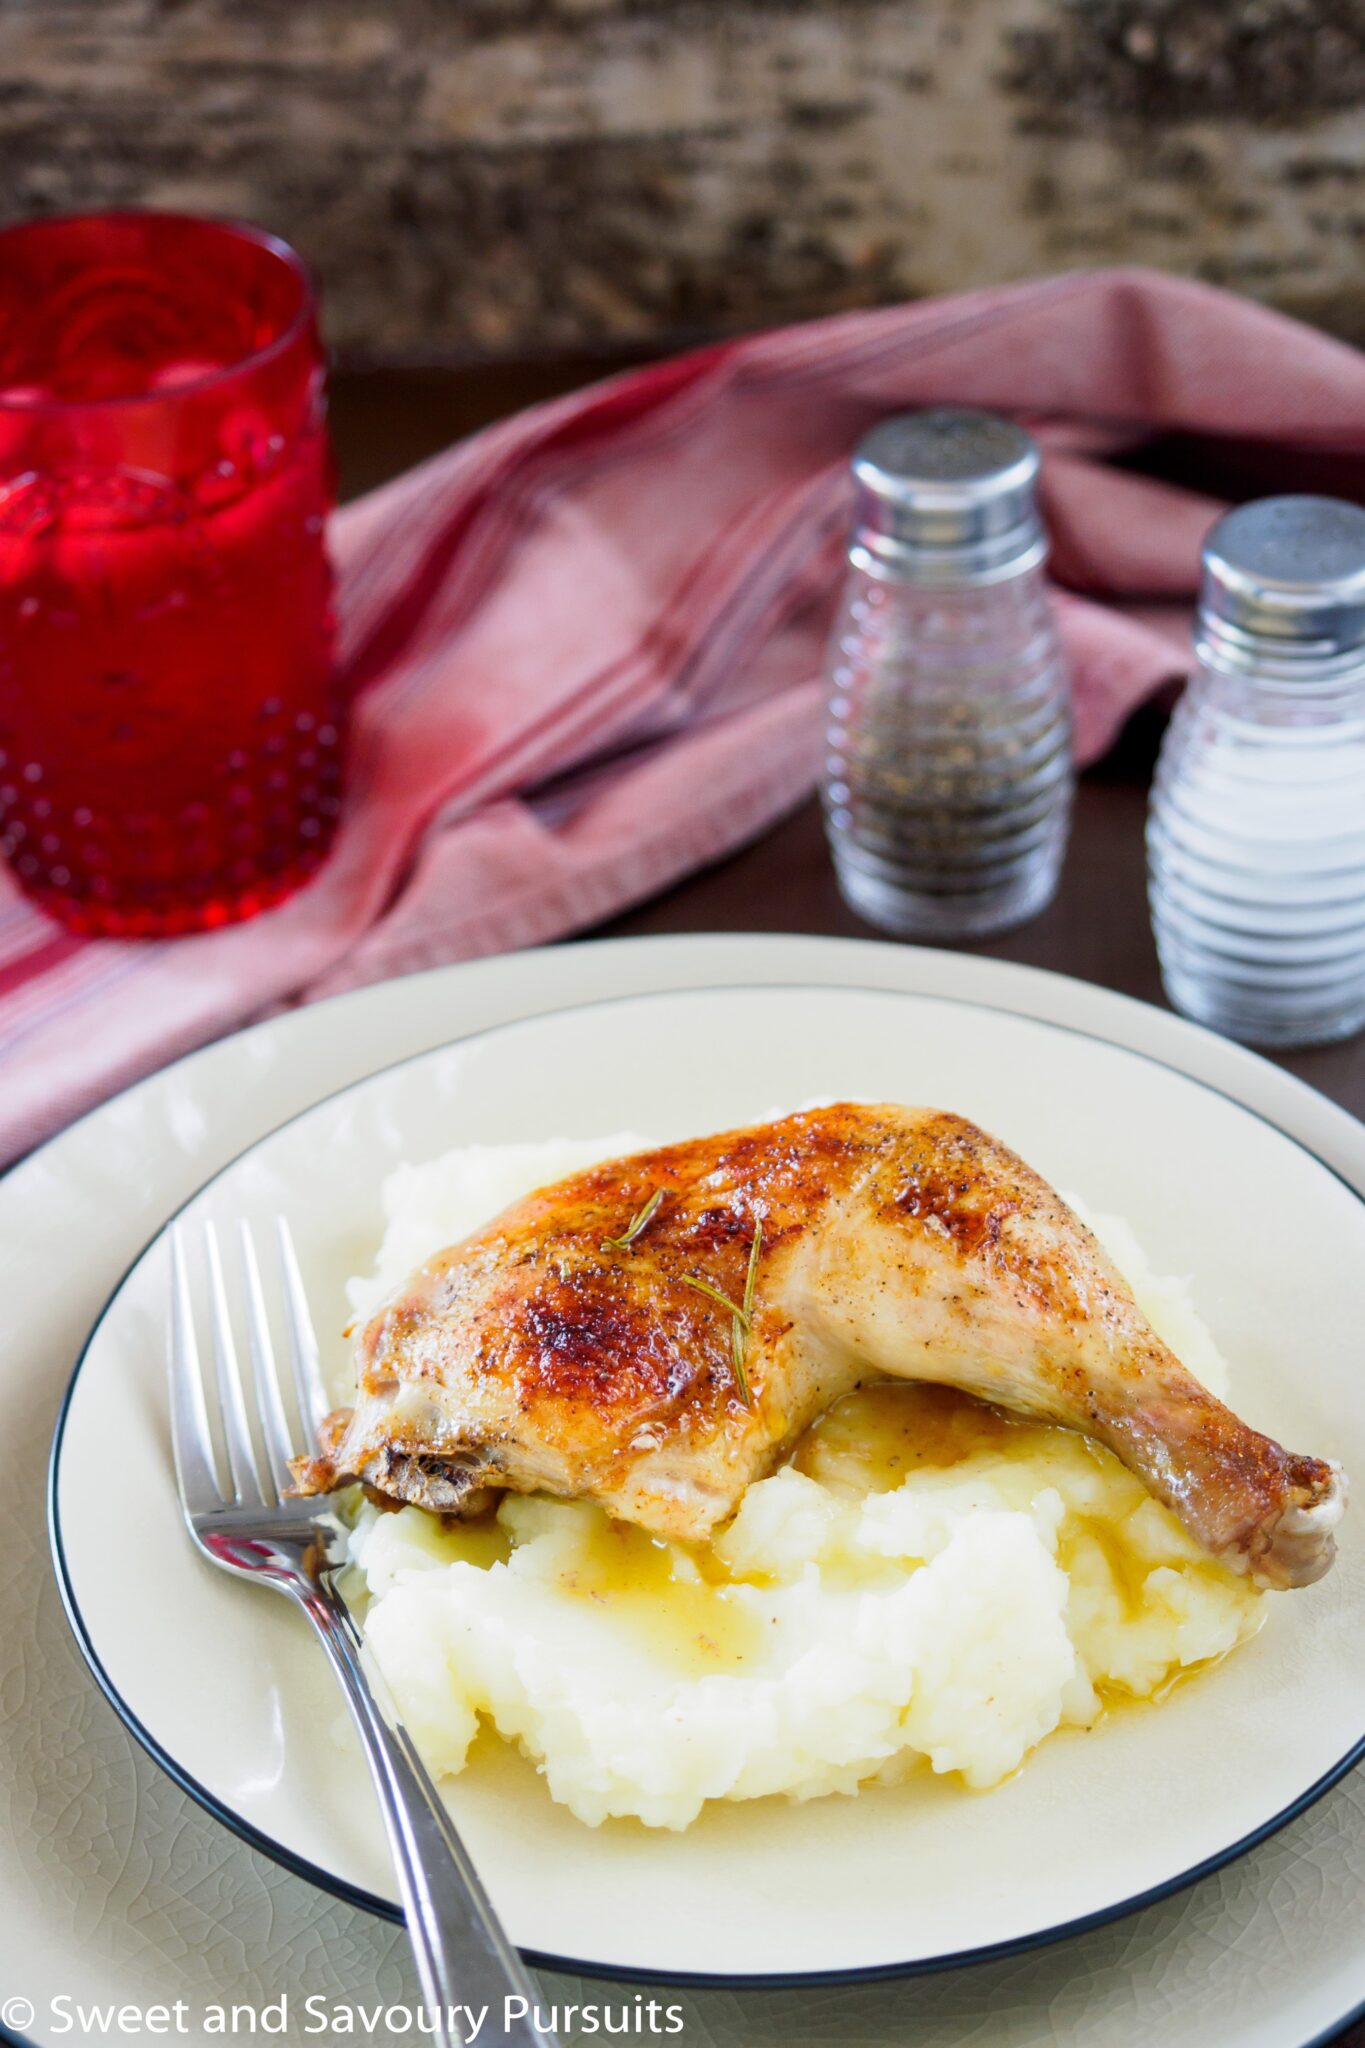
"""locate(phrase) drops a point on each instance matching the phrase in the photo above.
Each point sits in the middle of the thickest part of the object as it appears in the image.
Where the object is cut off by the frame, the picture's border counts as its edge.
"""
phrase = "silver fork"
(249, 1526)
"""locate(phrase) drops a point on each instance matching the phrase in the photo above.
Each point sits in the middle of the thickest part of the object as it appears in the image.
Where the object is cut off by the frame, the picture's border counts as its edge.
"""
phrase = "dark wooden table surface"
(1098, 926)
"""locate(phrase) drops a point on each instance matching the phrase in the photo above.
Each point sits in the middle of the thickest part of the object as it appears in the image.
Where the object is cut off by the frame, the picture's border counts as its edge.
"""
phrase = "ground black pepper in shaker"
(948, 774)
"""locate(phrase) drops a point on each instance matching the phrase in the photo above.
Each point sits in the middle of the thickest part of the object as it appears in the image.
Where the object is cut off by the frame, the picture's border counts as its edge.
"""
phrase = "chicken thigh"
(655, 1333)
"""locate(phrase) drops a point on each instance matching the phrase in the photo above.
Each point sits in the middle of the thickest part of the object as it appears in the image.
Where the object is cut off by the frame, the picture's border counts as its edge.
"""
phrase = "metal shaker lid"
(1284, 578)
(948, 495)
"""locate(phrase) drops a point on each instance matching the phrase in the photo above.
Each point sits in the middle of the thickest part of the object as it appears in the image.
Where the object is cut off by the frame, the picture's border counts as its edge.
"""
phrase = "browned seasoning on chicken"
(546, 1354)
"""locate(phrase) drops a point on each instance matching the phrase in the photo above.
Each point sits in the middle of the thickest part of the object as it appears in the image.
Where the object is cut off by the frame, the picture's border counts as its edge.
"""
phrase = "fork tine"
(191, 1439)
(280, 1447)
(236, 1430)
(303, 1344)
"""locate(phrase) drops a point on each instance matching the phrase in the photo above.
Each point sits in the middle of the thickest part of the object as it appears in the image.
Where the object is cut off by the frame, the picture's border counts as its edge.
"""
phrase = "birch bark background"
(506, 177)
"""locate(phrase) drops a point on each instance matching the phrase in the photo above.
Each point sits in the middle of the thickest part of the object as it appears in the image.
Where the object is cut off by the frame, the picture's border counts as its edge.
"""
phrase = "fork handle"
(464, 1959)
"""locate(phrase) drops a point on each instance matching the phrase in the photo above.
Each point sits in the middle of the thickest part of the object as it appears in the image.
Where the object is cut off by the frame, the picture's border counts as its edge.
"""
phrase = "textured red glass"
(171, 725)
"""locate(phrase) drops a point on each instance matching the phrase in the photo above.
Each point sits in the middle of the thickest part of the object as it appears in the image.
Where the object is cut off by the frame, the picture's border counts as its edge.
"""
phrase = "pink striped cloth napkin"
(587, 642)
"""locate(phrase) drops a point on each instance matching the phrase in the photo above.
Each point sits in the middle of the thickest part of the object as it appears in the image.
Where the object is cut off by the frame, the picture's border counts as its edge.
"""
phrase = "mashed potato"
(928, 1583)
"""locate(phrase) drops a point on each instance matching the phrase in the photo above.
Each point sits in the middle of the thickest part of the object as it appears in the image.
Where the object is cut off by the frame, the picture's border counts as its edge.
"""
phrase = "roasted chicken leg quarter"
(594, 1340)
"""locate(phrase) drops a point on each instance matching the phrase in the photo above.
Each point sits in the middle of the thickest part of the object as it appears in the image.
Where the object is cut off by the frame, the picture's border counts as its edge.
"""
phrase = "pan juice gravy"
(929, 1584)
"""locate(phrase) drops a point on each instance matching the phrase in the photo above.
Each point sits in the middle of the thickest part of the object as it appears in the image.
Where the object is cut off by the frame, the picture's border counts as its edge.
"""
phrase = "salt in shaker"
(1256, 836)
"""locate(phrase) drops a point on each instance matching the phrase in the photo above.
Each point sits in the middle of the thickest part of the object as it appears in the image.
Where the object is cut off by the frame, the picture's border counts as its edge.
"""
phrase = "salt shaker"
(1256, 837)
(948, 776)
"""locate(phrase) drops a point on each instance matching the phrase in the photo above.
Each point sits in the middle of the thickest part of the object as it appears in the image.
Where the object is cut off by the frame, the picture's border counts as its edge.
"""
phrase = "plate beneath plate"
(228, 1692)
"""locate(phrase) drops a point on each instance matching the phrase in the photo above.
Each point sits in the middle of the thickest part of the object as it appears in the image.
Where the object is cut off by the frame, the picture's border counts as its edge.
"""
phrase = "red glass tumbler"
(171, 724)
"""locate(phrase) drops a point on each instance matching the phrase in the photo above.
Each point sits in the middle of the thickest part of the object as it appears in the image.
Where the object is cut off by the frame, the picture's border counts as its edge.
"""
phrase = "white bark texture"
(508, 177)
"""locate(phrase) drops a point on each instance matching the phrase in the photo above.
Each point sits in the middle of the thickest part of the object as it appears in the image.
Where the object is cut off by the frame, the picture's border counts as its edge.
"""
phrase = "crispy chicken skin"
(895, 1243)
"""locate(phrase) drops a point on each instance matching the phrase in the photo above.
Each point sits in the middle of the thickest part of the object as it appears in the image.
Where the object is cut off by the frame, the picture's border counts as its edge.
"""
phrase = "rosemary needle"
(742, 1327)
(741, 1318)
(739, 1351)
(740, 1315)
(638, 1222)
(751, 1277)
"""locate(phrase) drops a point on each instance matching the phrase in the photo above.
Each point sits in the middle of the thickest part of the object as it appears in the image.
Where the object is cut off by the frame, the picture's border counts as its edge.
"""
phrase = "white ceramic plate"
(229, 1694)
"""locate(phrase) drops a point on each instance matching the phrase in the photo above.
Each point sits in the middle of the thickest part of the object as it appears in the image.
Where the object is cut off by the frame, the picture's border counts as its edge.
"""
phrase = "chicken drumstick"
(594, 1341)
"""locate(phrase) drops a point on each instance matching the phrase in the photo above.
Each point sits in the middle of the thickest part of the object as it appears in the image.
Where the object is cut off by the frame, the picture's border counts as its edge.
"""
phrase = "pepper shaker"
(948, 776)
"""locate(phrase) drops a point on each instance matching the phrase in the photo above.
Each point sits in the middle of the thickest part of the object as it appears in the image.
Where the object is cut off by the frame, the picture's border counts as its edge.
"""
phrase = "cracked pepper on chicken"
(656, 1332)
